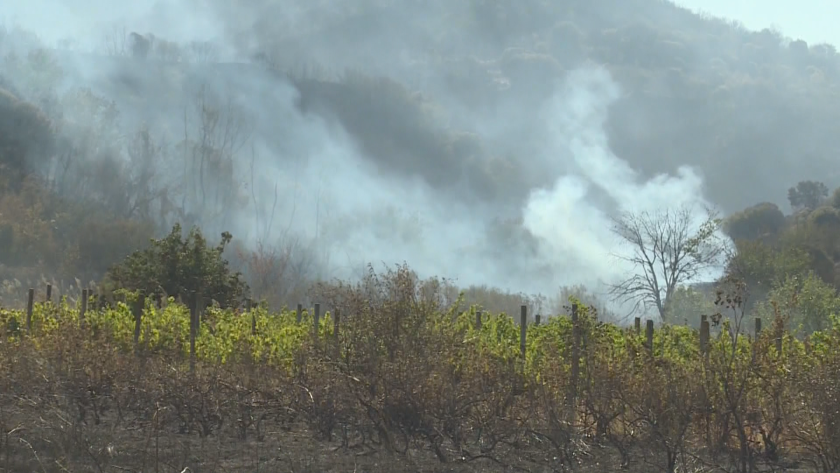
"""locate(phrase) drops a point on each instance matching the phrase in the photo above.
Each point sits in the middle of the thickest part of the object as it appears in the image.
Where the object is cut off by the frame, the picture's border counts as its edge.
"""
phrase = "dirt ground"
(49, 444)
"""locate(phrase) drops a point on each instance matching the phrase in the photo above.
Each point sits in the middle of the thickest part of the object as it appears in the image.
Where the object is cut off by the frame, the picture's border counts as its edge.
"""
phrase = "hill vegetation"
(79, 192)
(699, 89)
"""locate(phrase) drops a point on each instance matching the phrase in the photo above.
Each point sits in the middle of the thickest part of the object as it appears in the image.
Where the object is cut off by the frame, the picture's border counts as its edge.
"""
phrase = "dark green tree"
(175, 266)
(827, 217)
(807, 195)
(764, 219)
(26, 140)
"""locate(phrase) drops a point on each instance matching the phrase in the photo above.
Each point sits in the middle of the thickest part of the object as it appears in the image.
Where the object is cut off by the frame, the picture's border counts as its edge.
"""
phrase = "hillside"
(697, 90)
(449, 106)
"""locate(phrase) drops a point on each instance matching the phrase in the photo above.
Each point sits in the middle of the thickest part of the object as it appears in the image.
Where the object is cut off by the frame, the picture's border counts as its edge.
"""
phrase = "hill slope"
(460, 98)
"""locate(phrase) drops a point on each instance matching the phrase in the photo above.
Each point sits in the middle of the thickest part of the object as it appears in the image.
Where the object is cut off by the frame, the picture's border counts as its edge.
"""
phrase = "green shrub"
(174, 266)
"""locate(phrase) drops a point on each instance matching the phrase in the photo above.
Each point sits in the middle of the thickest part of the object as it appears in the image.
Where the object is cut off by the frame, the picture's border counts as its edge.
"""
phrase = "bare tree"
(211, 189)
(146, 188)
(667, 249)
(204, 52)
(167, 51)
(116, 42)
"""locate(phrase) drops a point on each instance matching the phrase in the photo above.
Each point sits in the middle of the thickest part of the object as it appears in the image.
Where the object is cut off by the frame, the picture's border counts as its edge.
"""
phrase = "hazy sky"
(54, 20)
(811, 20)
(815, 21)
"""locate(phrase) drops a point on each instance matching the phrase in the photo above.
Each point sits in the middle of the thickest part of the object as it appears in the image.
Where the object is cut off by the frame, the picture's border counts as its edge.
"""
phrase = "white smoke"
(574, 229)
(330, 191)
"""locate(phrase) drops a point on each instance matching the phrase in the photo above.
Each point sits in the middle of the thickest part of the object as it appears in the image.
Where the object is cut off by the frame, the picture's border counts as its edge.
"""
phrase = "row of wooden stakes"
(196, 315)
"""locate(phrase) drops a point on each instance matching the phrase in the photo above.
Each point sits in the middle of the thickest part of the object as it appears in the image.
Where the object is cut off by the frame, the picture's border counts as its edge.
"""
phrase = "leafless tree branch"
(667, 248)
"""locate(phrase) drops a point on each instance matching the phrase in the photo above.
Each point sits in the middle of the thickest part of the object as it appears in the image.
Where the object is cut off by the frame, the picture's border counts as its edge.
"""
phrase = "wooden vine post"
(316, 322)
(30, 305)
(336, 327)
(250, 309)
(523, 329)
(195, 317)
(575, 371)
(138, 320)
(83, 311)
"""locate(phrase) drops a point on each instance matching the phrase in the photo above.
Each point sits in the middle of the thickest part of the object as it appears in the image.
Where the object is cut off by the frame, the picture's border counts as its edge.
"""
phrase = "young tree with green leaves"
(174, 266)
(686, 305)
(805, 301)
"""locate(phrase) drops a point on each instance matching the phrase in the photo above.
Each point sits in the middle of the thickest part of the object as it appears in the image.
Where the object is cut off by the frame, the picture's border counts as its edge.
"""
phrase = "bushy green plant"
(186, 267)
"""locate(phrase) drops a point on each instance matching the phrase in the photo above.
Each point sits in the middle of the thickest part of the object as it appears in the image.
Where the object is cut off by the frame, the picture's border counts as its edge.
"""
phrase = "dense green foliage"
(807, 195)
(183, 268)
(790, 262)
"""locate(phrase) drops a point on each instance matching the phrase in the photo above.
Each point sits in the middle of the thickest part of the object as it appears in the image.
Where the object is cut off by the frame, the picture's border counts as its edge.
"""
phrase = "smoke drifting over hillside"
(523, 201)
(572, 223)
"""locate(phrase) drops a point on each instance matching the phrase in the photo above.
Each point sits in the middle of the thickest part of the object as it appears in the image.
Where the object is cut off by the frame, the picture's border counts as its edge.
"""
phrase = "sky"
(55, 20)
(814, 21)
(811, 20)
